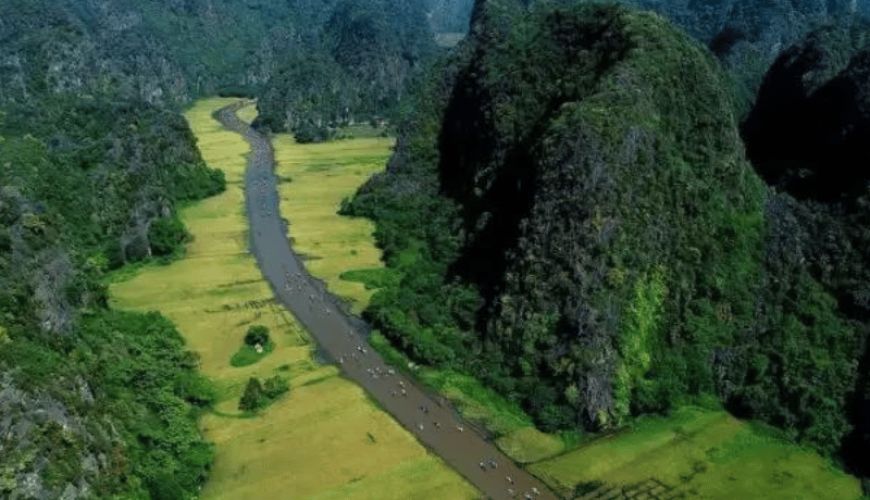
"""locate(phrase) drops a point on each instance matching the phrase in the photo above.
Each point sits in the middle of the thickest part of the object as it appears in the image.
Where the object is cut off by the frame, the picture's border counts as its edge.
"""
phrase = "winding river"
(341, 339)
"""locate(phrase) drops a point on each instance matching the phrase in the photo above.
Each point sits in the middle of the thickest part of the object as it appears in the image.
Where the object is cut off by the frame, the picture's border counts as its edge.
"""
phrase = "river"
(341, 340)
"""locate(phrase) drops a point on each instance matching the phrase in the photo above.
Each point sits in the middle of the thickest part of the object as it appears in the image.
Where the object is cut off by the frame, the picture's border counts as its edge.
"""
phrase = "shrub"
(253, 398)
(275, 386)
(257, 334)
(258, 395)
(247, 355)
(166, 234)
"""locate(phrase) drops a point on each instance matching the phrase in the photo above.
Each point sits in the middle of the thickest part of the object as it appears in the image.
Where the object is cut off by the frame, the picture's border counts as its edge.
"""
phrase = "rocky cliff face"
(808, 131)
(449, 16)
(591, 182)
(747, 36)
(563, 208)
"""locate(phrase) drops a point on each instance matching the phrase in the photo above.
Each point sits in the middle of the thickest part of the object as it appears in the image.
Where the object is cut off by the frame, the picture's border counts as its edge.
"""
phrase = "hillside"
(94, 402)
(575, 213)
(355, 68)
(94, 164)
(576, 223)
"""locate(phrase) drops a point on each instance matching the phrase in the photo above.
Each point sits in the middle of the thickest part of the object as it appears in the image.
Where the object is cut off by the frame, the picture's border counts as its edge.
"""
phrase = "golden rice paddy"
(324, 439)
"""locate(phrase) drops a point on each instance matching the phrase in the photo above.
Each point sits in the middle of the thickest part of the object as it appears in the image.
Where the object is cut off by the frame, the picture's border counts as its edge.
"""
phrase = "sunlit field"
(324, 439)
(322, 176)
(701, 454)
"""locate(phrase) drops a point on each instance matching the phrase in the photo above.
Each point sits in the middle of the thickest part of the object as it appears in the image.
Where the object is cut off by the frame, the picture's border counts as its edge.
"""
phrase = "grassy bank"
(324, 439)
(322, 176)
(704, 454)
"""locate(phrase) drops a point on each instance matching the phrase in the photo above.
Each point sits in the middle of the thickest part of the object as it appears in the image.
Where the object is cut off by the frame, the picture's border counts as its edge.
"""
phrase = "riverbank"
(213, 294)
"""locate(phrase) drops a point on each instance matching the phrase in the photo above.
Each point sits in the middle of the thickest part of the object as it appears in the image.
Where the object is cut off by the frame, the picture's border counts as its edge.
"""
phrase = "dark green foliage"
(253, 397)
(257, 395)
(275, 386)
(357, 66)
(167, 234)
(152, 387)
(89, 184)
(585, 488)
(574, 224)
(94, 163)
(539, 124)
(257, 334)
(144, 385)
(151, 50)
(308, 132)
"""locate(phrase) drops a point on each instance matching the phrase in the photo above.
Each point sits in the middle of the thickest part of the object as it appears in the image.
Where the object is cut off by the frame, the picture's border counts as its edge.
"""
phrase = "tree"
(257, 334)
(253, 398)
(275, 386)
(166, 234)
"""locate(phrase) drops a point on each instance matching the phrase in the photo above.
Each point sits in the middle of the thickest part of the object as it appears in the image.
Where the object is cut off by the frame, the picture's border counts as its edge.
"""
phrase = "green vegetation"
(89, 185)
(257, 334)
(363, 59)
(55, 156)
(259, 395)
(600, 248)
(327, 419)
(476, 402)
(135, 376)
(373, 279)
(701, 454)
(636, 339)
(514, 321)
(248, 354)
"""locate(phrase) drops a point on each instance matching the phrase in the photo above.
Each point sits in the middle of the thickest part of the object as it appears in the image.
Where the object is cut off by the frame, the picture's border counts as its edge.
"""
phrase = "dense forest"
(94, 403)
(94, 163)
(594, 212)
(356, 68)
(587, 211)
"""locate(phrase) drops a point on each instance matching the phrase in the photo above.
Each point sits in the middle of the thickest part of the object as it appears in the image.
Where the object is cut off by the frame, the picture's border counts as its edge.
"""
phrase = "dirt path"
(435, 423)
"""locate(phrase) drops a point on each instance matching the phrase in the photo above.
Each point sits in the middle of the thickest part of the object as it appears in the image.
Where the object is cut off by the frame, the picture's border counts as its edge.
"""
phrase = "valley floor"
(326, 439)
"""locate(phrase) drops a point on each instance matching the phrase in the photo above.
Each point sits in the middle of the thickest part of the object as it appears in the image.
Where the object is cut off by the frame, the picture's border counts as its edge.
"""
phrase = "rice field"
(327, 173)
(704, 455)
(324, 439)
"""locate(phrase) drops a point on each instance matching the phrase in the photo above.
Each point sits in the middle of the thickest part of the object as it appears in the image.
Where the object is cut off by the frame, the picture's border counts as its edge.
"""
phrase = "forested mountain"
(156, 51)
(94, 162)
(449, 16)
(93, 403)
(576, 222)
(355, 66)
(588, 210)
(166, 52)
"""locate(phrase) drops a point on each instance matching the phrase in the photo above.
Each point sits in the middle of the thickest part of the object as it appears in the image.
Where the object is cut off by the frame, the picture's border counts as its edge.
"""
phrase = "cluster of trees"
(108, 409)
(573, 220)
(96, 403)
(94, 164)
(258, 394)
